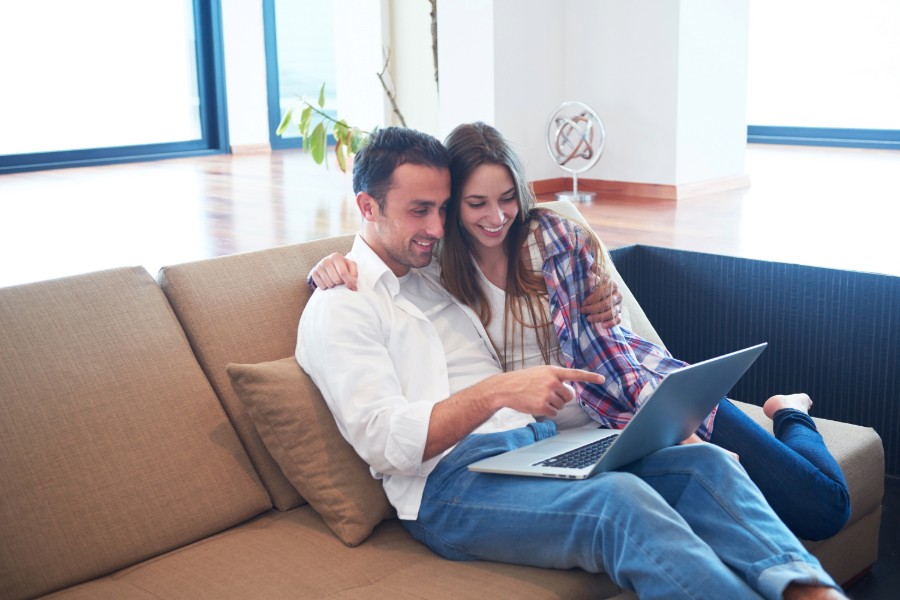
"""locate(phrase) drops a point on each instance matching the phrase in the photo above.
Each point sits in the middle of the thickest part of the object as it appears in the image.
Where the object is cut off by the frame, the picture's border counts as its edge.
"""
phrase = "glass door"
(300, 43)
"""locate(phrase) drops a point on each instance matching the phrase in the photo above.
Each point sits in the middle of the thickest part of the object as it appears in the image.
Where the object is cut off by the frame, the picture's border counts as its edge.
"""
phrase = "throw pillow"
(299, 431)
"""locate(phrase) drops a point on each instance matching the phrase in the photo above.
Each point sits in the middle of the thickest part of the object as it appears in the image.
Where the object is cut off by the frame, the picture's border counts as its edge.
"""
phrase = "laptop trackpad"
(548, 448)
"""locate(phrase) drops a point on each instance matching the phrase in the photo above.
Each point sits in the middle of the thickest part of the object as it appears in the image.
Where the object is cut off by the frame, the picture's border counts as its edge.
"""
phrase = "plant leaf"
(318, 141)
(322, 96)
(357, 140)
(304, 126)
(340, 150)
(285, 121)
(340, 129)
(304, 120)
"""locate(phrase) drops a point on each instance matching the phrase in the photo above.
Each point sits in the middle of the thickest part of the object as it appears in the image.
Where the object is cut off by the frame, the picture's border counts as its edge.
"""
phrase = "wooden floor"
(819, 206)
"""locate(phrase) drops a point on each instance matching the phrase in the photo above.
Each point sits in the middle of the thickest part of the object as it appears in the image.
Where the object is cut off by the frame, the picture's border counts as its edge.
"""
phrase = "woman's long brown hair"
(471, 146)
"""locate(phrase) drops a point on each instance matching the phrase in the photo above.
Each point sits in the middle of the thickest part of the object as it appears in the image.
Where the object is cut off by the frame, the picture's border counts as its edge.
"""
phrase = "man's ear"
(368, 206)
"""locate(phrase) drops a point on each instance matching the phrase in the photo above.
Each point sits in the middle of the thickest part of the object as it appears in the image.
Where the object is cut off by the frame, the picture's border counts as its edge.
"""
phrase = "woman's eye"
(476, 204)
(508, 200)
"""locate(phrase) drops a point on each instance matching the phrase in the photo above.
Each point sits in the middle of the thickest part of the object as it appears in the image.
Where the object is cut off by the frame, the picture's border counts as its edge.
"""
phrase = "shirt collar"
(371, 268)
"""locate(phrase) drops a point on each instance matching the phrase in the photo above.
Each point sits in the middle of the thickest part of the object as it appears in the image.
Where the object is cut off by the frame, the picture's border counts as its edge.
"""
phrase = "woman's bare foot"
(800, 402)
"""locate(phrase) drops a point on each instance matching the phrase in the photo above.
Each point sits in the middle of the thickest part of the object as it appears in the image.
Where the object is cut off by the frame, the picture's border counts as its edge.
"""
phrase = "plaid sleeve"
(632, 366)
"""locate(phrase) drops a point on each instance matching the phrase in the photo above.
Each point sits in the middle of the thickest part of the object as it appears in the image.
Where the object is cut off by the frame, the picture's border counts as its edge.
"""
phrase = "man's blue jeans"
(685, 522)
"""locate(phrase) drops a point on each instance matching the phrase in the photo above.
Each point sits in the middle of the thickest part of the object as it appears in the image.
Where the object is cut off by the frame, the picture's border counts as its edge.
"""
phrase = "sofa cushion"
(245, 308)
(294, 555)
(113, 446)
(298, 429)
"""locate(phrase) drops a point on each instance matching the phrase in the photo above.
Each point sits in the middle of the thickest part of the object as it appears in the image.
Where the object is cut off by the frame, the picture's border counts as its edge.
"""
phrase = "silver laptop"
(674, 411)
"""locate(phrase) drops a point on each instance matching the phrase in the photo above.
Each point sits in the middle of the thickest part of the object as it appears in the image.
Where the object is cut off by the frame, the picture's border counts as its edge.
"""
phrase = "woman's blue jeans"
(685, 522)
(794, 470)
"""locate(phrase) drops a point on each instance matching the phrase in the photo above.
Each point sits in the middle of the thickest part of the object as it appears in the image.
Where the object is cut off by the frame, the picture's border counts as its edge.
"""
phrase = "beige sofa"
(131, 468)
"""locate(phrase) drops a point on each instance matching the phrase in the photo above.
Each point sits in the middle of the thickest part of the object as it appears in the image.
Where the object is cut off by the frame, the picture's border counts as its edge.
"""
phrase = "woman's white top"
(572, 415)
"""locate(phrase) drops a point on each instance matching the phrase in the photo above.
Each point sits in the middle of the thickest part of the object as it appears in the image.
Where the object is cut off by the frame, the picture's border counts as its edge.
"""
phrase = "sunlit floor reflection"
(817, 206)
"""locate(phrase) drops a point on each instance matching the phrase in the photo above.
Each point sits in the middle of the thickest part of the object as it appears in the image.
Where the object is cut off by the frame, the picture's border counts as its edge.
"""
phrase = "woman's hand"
(333, 270)
(604, 304)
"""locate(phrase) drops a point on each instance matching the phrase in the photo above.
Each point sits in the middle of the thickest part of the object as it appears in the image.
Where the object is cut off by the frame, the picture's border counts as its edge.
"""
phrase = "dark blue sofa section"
(833, 334)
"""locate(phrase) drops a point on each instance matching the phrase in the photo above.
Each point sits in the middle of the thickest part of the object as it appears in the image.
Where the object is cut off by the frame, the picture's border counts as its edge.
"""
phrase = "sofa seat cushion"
(300, 433)
(294, 555)
(113, 446)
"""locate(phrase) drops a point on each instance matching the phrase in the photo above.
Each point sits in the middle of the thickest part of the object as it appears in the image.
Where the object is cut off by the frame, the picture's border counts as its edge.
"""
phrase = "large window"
(299, 59)
(825, 72)
(98, 81)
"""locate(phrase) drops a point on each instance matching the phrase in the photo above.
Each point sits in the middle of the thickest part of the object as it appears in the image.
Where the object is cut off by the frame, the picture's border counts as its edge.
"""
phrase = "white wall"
(361, 31)
(667, 77)
(412, 65)
(465, 59)
(490, 65)
(529, 77)
(245, 72)
(623, 62)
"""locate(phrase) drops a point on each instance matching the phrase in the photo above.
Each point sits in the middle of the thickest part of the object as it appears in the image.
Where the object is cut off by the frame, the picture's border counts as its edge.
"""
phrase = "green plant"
(347, 140)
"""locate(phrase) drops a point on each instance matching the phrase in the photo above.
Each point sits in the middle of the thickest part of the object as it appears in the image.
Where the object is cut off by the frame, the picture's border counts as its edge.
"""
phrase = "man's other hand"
(604, 304)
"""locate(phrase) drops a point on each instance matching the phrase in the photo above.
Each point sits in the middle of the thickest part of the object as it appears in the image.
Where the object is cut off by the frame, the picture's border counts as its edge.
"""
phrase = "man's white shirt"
(384, 355)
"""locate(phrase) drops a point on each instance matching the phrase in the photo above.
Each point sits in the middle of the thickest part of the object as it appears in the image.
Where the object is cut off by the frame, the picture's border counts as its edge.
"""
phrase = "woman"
(524, 269)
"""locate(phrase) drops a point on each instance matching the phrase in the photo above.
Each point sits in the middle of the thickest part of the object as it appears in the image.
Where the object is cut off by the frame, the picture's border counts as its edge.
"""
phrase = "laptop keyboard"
(583, 456)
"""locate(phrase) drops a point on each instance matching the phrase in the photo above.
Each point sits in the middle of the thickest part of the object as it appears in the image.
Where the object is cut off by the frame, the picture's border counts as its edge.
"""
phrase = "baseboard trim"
(251, 149)
(642, 190)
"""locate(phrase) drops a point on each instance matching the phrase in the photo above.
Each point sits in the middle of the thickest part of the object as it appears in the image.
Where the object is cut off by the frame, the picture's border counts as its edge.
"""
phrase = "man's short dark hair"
(389, 148)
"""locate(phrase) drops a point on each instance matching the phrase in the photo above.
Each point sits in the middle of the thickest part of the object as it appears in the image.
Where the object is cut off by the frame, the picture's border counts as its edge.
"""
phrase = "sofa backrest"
(245, 308)
(113, 446)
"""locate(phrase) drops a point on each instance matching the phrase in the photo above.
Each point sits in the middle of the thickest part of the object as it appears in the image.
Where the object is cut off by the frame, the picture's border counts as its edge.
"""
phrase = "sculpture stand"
(576, 196)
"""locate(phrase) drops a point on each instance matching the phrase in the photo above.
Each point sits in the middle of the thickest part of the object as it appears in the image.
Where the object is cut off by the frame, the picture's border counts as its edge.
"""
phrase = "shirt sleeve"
(632, 366)
(343, 346)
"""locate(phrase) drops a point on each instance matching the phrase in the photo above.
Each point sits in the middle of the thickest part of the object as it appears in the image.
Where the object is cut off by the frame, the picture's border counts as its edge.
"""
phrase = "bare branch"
(434, 43)
(391, 96)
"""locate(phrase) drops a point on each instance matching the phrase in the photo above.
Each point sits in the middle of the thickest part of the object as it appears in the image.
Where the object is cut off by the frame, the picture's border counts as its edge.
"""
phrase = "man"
(418, 392)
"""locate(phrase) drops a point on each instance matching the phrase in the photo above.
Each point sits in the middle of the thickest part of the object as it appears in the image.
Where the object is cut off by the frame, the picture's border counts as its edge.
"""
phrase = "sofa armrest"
(833, 334)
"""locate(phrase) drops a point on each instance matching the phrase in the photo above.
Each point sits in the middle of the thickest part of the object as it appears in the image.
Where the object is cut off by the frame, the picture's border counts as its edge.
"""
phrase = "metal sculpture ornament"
(575, 138)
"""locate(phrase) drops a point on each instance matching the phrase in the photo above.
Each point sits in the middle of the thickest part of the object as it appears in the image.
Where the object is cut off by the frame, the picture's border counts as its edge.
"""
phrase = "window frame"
(884, 139)
(273, 83)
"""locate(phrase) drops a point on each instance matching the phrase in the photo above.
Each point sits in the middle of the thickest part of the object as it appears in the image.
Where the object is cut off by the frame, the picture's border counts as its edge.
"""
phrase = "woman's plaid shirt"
(632, 366)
